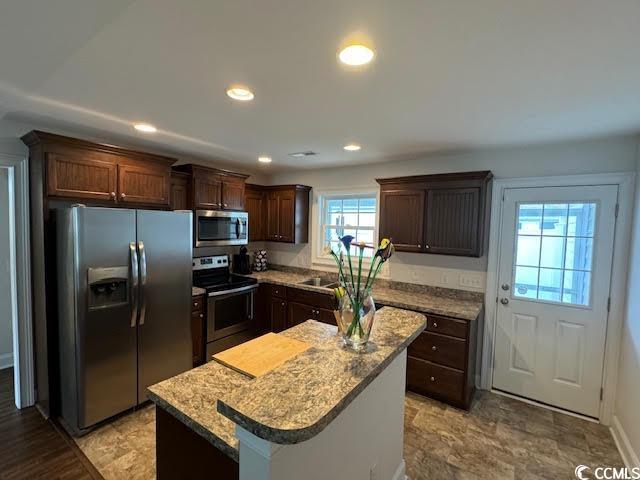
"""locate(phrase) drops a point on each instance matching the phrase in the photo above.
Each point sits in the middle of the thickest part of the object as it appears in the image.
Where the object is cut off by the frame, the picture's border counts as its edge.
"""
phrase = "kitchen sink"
(318, 282)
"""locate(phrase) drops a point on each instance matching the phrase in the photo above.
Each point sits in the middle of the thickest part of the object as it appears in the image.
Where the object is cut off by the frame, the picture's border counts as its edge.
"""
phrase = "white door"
(554, 275)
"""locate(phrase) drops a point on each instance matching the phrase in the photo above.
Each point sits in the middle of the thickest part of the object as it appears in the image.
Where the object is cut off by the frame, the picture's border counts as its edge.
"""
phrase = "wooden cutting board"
(261, 355)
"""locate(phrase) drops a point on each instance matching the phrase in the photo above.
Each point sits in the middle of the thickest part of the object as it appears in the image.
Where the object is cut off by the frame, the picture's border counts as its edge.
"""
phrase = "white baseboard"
(629, 456)
(400, 472)
(6, 360)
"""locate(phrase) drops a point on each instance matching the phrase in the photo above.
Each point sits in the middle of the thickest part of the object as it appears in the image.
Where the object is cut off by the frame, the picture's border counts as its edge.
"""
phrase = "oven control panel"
(215, 261)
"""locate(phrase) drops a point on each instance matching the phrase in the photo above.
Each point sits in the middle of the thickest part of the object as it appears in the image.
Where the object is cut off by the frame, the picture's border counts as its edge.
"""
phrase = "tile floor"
(499, 438)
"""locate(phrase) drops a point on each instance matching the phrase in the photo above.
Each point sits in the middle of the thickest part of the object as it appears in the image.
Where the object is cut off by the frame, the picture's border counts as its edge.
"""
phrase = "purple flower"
(346, 241)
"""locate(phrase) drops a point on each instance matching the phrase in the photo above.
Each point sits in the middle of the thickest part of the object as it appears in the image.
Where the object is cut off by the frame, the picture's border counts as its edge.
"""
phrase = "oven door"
(214, 228)
(230, 312)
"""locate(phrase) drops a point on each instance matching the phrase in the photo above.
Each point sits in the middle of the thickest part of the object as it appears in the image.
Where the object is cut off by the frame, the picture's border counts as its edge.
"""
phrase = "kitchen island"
(326, 413)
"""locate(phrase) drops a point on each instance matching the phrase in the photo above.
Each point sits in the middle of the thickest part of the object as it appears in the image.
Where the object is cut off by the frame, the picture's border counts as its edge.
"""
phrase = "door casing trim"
(625, 182)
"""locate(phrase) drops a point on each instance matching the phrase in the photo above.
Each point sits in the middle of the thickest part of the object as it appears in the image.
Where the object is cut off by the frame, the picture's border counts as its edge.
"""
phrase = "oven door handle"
(235, 290)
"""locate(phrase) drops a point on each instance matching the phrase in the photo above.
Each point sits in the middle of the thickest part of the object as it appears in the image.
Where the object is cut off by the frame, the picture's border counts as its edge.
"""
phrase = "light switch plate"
(470, 280)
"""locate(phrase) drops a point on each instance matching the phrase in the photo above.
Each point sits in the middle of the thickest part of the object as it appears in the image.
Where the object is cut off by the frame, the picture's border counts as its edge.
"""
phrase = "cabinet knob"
(195, 304)
(434, 348)
(123, 195)
(283, 304)
(113, 194)
(435, 325)
(419, 245)
(433, 379)
(201, 315)
(225, 205)
(427, 247)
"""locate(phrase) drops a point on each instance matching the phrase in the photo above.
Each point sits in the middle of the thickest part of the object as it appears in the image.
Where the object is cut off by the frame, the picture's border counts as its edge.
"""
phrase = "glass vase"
(357, 312)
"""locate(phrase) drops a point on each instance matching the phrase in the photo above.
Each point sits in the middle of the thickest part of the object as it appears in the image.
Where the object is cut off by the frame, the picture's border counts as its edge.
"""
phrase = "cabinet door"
(402, 218)
(278, 314)
(178, 195)
(78, 176)
(254, 204)
(452, 221)
(287, 220)
(299, 313)
(207, 192)
(146, 184)
(326, 316)
(273, 215)
(233, 194)
(197, 337)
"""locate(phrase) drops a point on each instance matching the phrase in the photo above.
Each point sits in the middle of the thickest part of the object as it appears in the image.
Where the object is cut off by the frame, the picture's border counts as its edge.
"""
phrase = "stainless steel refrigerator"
(124, 300)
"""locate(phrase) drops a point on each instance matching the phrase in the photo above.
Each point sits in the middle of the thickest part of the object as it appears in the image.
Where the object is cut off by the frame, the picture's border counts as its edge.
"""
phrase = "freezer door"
(105, 338)
(164, 325)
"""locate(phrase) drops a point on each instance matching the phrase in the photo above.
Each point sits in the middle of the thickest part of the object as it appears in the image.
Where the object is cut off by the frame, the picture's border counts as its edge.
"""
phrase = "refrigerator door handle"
(134, 283)
(143, 282)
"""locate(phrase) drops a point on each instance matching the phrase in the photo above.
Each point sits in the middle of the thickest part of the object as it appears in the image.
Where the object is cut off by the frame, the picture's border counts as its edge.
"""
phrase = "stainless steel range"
(230, 302)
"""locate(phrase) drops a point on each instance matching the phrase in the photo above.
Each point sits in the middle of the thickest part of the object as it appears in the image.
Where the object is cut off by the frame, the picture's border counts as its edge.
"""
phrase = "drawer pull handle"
(435, 325)
(434, 348)
(433, 379)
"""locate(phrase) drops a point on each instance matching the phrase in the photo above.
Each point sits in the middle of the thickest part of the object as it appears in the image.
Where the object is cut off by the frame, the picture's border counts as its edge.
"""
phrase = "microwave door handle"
(143, 282)
(133, 290)
(238, 227)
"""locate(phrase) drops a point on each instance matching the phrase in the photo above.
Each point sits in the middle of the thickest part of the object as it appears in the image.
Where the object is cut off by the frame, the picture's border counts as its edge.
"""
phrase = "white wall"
(613, 154)
(627, 409)
(6, 337)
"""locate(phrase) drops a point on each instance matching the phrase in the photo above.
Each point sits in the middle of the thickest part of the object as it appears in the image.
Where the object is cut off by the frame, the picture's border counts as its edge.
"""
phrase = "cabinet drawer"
(197, 304)
(278, 291)
(430, 379)
(447, 326)
(441, 349)
(318, 300)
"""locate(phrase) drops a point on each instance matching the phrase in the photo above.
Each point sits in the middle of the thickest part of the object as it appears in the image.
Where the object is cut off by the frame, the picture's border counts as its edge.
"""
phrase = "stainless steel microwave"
(213, 228)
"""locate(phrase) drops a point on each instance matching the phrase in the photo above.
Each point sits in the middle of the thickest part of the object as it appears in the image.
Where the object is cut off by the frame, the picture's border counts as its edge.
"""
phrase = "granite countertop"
(295, 401)
(419, 298)
(195, 291)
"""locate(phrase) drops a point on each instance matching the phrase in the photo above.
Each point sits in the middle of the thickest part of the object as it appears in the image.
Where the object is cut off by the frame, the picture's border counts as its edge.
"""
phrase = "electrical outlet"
(444, 278)
(470, 280)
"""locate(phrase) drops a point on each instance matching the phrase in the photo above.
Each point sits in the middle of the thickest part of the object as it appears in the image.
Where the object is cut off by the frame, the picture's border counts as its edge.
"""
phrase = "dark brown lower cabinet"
(441, 361)
(278, 309)
(182, 454)
(198, 330)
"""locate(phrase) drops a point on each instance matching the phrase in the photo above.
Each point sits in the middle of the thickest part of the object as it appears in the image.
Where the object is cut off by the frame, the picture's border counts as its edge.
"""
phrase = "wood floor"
(32, 447)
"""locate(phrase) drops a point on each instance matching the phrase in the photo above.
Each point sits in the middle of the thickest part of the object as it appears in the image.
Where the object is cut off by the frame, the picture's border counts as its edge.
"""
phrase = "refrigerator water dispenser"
(108, 287)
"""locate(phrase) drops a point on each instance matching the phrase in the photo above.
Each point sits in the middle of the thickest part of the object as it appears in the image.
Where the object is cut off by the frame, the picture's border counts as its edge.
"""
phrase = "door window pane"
(554, 221)
(528, 251)
(554, 252)
(530, 219)
(550, 284)
(552, 255)
(526, 284)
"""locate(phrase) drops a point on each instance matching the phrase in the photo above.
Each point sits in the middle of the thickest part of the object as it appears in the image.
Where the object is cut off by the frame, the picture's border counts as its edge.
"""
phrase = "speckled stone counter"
(420, 298)
(293, 402)
(195, 291)
(296, 401)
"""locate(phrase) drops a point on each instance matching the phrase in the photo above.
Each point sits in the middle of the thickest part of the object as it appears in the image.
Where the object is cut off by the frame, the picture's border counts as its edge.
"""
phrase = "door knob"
(504, 301)
(505, 286)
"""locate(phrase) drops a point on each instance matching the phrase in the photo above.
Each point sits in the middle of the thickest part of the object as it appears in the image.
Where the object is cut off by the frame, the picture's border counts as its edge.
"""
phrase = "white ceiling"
(448, 75)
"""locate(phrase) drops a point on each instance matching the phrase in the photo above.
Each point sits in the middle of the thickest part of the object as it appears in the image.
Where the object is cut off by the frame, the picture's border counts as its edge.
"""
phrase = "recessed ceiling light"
(352, 147)
(240, 93)
(145, 127)
(264, 159)
(356, 55)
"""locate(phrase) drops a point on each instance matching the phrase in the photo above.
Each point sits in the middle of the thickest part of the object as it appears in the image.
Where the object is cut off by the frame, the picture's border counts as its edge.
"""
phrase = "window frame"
(318, 230)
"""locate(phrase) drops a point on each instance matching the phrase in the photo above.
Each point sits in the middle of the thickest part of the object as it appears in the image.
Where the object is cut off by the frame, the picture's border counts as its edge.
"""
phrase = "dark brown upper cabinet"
(441, 214)
(280, 213)
(179, 193)
(77, 169)
(255, 206)
(213, 189)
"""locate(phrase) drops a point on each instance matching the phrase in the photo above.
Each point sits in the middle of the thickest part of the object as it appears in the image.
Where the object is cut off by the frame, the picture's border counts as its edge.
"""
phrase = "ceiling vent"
(302, 154)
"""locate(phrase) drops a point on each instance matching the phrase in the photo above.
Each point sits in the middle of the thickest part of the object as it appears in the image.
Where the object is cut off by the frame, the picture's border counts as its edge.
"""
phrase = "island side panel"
(182, 454)
(366, 436)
